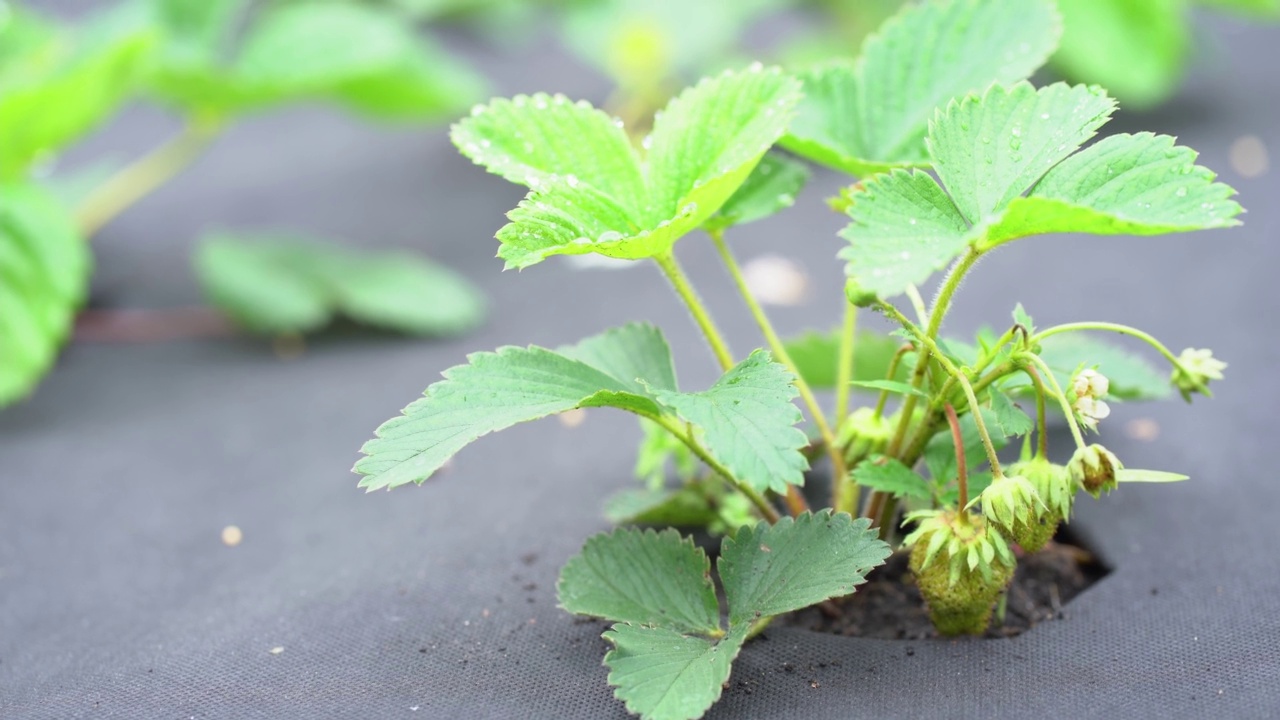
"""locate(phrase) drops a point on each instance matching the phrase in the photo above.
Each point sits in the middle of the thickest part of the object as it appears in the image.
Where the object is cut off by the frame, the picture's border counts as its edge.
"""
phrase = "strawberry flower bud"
(1094, 469)
(1089, 387)
(1194, 370)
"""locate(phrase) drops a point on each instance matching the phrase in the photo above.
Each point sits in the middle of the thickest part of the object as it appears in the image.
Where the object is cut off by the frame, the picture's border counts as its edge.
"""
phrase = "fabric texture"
(119, 600)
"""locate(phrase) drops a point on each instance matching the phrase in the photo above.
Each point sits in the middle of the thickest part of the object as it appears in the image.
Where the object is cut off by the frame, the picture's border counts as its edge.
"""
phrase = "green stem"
(940, 307)
(844, 367)
(134, 181)
(917, 302)
(1062, 397)
(1109, 327)
(671, 269)
(673, 426)
(841, 482)
(1042, 423)
(893, 370)
(959, 376)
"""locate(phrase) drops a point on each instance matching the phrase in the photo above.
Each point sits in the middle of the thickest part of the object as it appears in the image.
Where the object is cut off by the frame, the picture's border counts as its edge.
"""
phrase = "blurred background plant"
(211, 62)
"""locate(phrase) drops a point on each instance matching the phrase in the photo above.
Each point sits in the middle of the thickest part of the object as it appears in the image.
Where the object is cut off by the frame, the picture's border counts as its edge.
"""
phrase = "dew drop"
(1044, 116)
(912, 221)
(572, 180)
(1182, 192)
(610, 236)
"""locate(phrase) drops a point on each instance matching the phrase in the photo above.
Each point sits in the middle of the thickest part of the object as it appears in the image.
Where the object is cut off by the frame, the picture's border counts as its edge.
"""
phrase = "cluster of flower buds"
(1194, 370)
(1089, 387)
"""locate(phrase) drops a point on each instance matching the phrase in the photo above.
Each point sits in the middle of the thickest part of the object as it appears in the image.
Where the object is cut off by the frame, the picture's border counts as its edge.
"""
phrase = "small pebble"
(231, 536)
(775, 280)
(276, 650)
(1248, 157)
(1144, 429)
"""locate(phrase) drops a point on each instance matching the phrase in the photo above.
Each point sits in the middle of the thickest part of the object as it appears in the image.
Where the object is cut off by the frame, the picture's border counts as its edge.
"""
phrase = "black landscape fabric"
(118, 599)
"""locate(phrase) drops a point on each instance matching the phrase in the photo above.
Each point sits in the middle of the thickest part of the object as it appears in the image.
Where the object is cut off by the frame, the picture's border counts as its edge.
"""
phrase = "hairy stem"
(134, 181)
(839, 473)
(844, 362)
(680, 283)
(673, 426)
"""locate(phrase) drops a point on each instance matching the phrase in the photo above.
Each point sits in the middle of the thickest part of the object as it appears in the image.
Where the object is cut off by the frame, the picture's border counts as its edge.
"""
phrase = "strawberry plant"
(955, 155)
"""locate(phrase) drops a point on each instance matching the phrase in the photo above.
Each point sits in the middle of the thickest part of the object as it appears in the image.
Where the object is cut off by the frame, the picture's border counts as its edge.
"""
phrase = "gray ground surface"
(118, 600)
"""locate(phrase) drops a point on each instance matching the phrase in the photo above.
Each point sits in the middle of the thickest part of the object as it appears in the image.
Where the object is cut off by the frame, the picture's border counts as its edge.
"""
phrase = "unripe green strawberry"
(1094, 468)
(1055, 490)
(961, 565)
(864, 433)
(1012, 504)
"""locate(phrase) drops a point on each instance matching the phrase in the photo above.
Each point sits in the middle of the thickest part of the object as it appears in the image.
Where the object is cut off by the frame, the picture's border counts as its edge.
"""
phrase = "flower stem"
(1062, 397)
(1042, 424)
(672, 270)
(962, 469)
(1109, 327)
(840, 480)
(134, 181)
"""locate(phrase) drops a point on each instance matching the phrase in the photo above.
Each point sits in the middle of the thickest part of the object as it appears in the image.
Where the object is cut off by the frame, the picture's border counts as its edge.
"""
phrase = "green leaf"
(54, 89)
(495, 391)
(1131, 377)
(275, 285)
(816, 356)
(585, 193)
(992, 149)
(1124, 185)
(368, 59)
(868, 117)
(771, 187)
(886, 474)
(1021, 317)
(1011, 419)
(685, 506)
(663, 675)
(773, 569)
(1137, 49)
(886, 253)
(44, 277)
(893, 386)
(659, 448)
(642, 577)
(636, 354)
(747, 421)
(1148, 476)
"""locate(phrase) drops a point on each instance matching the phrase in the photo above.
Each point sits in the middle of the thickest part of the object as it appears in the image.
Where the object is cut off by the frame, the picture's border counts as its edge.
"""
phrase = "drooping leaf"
(1137, 49)
(663, 675)
(274, 285)
(773, 569)
(1012, 420)
(991, 150)
(55, 87)
(642, 577)
(492, 392)
(1124, 185)
(44, 277)
(747, 421)
(886, 474)
(870, 116)
(770, 188)
(1148, 476)
(585, 195)
(816, 356)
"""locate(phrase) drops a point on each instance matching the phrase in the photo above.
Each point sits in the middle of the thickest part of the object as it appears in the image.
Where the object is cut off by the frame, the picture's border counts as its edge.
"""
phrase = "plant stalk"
(136, 180)
(962, 469)
(680, 283)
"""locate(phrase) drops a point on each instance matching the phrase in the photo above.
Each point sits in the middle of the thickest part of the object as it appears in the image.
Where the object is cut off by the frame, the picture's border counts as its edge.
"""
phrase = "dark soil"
(888, 606)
